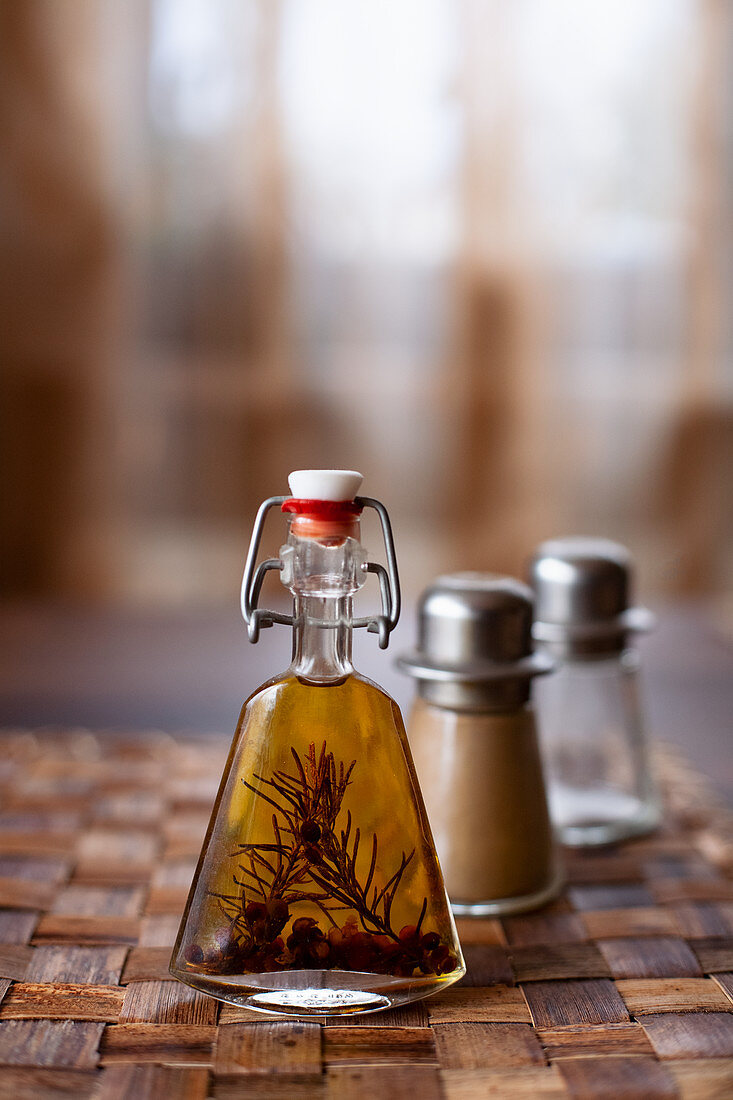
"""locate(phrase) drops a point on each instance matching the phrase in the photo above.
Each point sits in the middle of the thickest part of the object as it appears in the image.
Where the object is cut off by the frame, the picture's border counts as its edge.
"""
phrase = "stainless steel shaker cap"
(582, 594)
(474, 645)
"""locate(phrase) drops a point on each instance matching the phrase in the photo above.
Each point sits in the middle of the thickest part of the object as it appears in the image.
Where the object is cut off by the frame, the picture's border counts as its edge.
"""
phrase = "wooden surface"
(622, 988)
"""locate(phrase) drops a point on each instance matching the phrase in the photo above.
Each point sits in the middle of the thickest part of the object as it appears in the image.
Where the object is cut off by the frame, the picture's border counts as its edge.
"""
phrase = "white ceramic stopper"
(325, 484)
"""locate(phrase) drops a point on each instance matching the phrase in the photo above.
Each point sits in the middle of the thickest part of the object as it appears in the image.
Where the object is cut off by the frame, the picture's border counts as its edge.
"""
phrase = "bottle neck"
(322, 638)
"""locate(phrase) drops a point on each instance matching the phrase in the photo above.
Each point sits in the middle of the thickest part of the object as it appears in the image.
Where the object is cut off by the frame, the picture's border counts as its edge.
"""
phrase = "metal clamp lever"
(389, 581)
(254, 575)
(257, 618)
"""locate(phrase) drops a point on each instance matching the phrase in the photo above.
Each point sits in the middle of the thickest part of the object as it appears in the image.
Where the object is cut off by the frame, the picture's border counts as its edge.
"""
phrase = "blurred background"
(480, 251)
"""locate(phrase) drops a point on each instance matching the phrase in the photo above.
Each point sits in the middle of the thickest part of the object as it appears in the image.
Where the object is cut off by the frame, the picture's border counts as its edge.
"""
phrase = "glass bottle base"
(604, 833)
(504, 907)
(317, 992)
(594, 818)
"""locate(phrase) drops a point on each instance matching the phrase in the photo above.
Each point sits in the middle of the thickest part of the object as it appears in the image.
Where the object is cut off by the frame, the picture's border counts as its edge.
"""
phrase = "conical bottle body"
(318, 890)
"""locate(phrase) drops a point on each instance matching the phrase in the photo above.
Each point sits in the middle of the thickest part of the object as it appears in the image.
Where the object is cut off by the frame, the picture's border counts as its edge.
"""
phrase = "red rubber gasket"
(323, 509)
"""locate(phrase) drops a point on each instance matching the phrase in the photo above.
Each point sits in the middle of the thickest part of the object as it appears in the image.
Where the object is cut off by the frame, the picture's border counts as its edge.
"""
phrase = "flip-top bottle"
(318, 890)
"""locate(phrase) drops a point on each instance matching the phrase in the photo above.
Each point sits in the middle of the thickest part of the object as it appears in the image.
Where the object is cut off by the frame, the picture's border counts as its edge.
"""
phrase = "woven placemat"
(622, 988)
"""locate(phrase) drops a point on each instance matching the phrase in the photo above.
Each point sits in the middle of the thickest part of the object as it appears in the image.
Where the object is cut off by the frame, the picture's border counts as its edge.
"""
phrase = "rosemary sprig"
(307, 847)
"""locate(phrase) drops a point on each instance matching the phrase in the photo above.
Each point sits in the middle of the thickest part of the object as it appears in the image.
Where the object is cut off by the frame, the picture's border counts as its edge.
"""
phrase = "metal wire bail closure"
(257, 618)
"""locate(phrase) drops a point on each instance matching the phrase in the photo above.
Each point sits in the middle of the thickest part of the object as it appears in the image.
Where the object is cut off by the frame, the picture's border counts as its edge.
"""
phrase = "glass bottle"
(475, 746)
(318, 890)
(600, 783)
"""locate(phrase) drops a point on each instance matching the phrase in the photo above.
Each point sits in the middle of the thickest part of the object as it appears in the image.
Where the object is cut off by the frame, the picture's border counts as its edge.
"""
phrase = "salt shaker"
(600, 785)
(474, 743)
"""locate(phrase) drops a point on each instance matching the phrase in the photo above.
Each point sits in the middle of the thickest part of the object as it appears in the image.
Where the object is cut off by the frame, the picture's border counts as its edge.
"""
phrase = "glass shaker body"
(600, 784)
(596, 759)
(482, 781)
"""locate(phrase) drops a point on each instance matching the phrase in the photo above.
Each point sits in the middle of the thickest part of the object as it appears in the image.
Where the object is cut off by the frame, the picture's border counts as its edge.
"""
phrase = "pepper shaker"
(600, 785)
(474, 743)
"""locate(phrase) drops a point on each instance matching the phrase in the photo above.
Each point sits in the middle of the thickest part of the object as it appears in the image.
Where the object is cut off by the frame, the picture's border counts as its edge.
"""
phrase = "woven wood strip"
(47, 1084)
(398, 1082)
(31, 1000)
(632, 1078)
(164, 1044)
(703, 1079)
(650, 958)
(622, 987)
(517, 1083)
(594, 1040)
(482, 1046)
(554, 1004)
(269, 1048)
(152, 1082)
